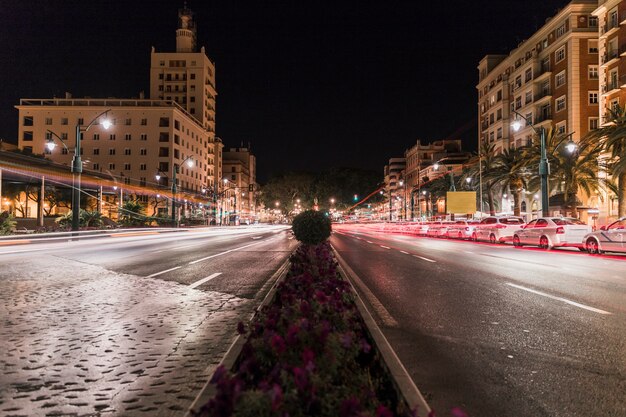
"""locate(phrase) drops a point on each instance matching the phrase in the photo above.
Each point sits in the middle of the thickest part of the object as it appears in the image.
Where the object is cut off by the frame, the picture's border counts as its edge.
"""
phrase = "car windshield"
(511, 220)
(620, 224)
(567, 221)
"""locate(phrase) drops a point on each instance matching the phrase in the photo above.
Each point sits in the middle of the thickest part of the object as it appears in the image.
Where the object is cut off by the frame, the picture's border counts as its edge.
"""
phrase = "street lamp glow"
(50, 145)
(158, 177)
(277, 203)
(332, 201)
(190, 162)
(516, 125)
(571, 146)
(424, 192)
(468, 180)
(401, 183)
(106, 123)
(225, 180)
(436, 166)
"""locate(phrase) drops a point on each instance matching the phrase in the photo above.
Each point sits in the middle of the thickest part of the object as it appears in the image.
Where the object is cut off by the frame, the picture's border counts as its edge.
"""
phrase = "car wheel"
(544, 243)
(582, 249)
(474, 237)
(592, 247)
(492, 238)
(516, 241)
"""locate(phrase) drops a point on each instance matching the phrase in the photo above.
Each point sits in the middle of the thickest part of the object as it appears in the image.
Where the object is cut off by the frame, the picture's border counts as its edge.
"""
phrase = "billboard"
(460, 202)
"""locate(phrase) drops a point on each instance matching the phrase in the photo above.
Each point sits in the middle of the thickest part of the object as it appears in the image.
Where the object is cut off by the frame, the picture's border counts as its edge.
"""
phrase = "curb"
(230, 358)
(405, 386)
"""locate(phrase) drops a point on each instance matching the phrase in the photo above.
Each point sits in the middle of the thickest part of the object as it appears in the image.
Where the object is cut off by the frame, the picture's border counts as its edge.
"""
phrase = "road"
(497, 330)
(128, 325)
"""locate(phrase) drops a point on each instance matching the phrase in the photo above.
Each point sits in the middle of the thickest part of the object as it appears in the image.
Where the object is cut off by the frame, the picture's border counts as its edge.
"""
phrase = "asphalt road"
(127, 325)
(497, 330)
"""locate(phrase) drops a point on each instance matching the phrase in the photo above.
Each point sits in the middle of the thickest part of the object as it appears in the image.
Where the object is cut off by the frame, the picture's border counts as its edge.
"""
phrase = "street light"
(77, 164)
(436, 166)
(544, 166)
(189, 162)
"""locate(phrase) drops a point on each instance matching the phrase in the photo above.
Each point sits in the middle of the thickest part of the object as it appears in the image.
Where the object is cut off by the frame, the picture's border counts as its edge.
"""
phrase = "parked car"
(440, 229)
(497, 229)
(433, 228)
(611, 238)
(550, 232)
(461, 229)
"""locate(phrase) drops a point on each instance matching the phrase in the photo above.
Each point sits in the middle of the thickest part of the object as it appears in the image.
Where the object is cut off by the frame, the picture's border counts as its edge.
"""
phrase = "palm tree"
(612, 137)
(488, 155)
(509, 172)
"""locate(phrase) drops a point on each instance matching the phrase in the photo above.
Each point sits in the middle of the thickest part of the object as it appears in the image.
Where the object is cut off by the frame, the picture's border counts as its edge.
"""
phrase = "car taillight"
(467, 229)
(560, 231)
(500, 226)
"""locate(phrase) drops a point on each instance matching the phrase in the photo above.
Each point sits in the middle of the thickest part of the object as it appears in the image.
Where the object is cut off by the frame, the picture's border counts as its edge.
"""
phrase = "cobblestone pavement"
(79, 340)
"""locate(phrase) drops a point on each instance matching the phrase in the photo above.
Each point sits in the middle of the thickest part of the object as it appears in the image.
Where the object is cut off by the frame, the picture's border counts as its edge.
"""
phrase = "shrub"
(131, 214)
(85, 219)
(311, 227)
(7, 223)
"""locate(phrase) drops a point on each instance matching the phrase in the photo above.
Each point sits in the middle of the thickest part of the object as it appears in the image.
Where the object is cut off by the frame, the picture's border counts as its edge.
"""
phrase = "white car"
(497, 229)
(439, 229)
(611, 238)
(461, 229)
(551, 232)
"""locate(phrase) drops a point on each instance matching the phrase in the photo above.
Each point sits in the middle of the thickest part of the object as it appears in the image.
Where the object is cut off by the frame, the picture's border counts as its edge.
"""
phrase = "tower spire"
(186, 32)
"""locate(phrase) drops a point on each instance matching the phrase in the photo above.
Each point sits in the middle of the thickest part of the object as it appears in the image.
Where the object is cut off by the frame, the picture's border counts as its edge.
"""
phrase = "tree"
(286, 189)
(509, 172)
(487, 165)
(132, 214)
(612, 138)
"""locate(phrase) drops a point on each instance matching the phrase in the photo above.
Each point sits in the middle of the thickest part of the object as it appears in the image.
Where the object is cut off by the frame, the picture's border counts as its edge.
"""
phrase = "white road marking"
(369, 242)
(257, 237)
(406, 253)
(163, 272)
(466, 251)
(224, 253)
(23, 250)
(385, 247)
(565, 300)
(424, 259)
(203, 280)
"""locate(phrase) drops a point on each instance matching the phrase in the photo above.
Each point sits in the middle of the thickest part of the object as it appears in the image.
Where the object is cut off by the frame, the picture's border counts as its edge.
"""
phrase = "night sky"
(311, 84)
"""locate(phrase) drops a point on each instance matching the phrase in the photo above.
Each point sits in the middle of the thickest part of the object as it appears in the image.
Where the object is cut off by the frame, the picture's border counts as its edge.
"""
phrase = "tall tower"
(185, 76)
(186, 32)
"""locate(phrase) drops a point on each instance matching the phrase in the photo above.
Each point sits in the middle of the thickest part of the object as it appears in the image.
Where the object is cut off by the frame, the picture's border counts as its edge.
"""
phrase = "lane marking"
(369, 242)
(163, 272)
(424, 259)
(256, 237)
(406, 253)
(127, 234)
(203, 280)
(385, 247)
(565, 300)
(14, 242)
(228, 251)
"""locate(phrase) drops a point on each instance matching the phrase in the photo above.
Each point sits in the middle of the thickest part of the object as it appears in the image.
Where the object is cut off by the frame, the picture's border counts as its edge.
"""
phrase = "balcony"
(543, 117)
(542, 73)
(610, 87)
(609, 58)
(484, 126)
(609, 29)
(542, 97)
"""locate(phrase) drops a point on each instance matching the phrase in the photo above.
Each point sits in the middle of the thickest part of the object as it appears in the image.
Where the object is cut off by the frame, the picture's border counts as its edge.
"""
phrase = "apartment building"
(420, 159)
(239, 174)
(551, 80)
(394, 192)
(147, 137)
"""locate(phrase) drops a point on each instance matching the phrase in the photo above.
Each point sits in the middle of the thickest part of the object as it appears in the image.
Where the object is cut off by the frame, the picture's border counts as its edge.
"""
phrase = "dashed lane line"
(203, 280)
(163, 272)
(406, 253)
(385, 247)
(228, 251)
(565, 300)
(425, 259)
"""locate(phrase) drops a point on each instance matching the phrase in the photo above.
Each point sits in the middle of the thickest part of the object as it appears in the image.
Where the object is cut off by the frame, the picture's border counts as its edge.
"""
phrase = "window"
(64, 120)
(529, 119)
(142, 167)
(592, 72)
(499, 114)
(560, 78)
(233, 177)
(593, 97)
(593, 123)
(518, 82)
(96, 151)
(164, 122)
(64, 151)
(48, 120)
(143, 152)
(128, 122)
(560, 31)
(499, 133)
(96, 167)
(560, 128)
(559, 55)
(593, 46)
(80, 121)
(233, 169)
(96, 136)
(164, 152)
(528, 75)
(593, 21)
(615, 104)
(176, 154)
(491, 137)
(111, 151)
(144, 122)
(28, 136)
(112, 137)
(162, 63)
(28, 120)
(176, 125)
(560, 103)
(192, 99)
(177, 139)
(127, 136)
(142, 182)
(164, 166)
(192, 76)
(63, 136)
(127, 181)
(127, 167)
(127, 151)
(143, 136)
(529, 97)
(518, 102)
(164, 137)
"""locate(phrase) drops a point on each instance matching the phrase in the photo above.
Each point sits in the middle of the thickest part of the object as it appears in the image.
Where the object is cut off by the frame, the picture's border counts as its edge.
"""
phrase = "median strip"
(565, 300)
(203, 280)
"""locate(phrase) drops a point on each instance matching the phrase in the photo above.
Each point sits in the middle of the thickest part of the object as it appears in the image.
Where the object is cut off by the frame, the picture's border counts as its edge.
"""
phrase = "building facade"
(148, 138)
(239, 176)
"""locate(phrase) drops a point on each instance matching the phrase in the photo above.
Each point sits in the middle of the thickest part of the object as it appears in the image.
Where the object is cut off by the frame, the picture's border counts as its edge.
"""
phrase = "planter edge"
(404, 385)
(228, 361)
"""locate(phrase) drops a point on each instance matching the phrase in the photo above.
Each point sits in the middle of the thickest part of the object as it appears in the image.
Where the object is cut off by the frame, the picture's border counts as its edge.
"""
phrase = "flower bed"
(308, 352)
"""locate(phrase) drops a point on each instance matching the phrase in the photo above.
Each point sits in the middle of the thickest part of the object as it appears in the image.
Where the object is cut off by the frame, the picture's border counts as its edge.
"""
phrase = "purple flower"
(349, 407)
(305, 307)
(308, 359)
(276, 394)
(383, 411)
(300, 379)
(321, 297)
(346, 340)
(292, 334)
(365, 347)
(458, 412)
(278, 344)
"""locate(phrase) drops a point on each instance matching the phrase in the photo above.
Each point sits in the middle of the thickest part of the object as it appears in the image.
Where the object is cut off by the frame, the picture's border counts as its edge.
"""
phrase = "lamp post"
(189, 162)
(436, 167)
(77, 164)
(544, 165)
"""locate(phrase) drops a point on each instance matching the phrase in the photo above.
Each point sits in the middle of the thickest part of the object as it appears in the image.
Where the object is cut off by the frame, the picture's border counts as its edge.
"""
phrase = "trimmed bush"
(7, 223)
(311, 227)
